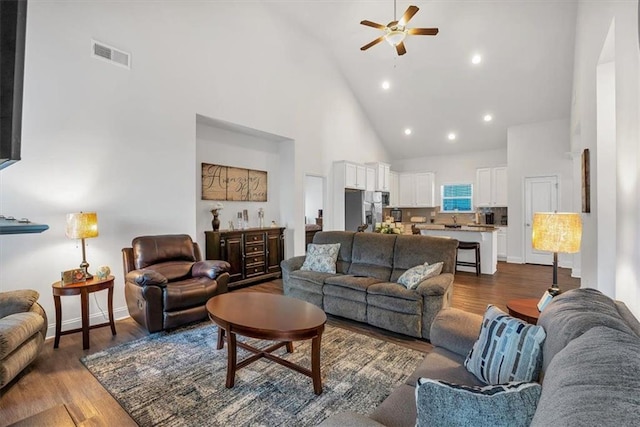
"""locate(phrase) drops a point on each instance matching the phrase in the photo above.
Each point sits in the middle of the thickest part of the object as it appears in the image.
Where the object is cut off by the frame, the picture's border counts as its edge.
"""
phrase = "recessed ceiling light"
(487, 117)
(407, 131)
(386, 85)
(476, 59)
(451, 136)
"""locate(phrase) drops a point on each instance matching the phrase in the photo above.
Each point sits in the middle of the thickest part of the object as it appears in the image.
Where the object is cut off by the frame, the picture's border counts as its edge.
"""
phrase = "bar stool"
(470, 245)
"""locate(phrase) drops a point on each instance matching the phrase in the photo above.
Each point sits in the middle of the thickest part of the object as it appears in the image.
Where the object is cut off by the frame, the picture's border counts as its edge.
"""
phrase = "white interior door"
(541, 195)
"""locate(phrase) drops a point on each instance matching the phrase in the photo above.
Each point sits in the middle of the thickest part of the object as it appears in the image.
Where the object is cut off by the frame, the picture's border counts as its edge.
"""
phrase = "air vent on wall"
(107, 53)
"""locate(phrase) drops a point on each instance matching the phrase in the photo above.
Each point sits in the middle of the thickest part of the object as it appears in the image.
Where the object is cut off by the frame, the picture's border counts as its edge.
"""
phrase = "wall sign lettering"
(233, 184)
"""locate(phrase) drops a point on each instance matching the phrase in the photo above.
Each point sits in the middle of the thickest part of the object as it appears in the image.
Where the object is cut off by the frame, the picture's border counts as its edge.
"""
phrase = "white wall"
(537, 149)
(123, 142)
(234, 148)
(593, 24)
(459, 168)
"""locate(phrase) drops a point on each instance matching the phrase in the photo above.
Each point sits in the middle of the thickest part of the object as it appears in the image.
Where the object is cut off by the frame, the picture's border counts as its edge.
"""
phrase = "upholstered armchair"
(23, 327)
(167, 284)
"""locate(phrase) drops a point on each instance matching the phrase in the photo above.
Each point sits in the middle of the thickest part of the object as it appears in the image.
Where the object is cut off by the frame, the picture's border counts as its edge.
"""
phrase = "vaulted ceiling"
(525, 76)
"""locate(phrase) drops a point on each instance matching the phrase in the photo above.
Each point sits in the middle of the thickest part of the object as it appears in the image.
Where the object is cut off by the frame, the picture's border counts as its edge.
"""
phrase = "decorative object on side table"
(556, 232)
(72, 276)
(215, 222)
(82, 225)
(103, 272)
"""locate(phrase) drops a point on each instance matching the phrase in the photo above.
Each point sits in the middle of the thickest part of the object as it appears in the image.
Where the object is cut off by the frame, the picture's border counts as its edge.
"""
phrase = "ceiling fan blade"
(411, 10)
(422, 31)
(373, 43)
(373, 24)
(400, 49)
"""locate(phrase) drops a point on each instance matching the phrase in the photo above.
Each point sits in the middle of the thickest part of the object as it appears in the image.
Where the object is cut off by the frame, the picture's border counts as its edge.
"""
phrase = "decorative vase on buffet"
(215, 222)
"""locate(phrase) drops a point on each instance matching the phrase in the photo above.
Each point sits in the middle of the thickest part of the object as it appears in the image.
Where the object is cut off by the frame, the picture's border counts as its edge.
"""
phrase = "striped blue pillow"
(508, 349)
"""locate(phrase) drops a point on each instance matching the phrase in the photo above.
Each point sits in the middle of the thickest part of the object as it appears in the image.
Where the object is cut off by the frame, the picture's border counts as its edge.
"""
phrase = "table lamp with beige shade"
(556, 232)
(82, 225)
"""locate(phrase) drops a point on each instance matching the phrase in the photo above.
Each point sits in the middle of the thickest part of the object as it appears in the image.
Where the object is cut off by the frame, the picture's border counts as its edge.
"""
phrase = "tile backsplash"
(500, 215)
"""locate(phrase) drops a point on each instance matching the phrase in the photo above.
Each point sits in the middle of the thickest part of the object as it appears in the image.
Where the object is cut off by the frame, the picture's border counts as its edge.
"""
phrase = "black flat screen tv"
(13, 26)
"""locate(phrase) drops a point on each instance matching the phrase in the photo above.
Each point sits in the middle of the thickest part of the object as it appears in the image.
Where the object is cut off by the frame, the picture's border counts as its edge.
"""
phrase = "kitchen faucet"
(455, 219)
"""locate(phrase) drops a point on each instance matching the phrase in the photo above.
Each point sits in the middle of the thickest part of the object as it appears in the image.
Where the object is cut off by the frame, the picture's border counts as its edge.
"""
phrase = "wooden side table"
(83, 289)
(525, 309)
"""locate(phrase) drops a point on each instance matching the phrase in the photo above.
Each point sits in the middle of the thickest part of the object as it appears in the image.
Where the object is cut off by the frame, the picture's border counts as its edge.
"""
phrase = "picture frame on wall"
(586, 181)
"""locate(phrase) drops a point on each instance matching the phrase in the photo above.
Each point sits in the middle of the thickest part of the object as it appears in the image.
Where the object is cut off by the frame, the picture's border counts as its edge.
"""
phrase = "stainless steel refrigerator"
(362, 208)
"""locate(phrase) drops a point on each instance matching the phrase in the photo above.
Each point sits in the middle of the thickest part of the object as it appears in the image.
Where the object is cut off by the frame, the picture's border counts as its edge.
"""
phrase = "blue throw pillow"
(439, 403)
(321, 258)
(508, 349)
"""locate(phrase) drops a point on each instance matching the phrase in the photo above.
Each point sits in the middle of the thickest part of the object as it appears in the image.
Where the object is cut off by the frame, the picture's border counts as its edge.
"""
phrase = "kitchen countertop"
(473, 228)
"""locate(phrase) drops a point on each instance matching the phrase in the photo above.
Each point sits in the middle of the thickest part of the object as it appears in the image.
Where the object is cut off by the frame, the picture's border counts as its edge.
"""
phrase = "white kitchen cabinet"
(416, 189)
(382, 178)
(406, 189)
(424, 190)
(500, 186)
(491, 187)
(482, 192)
(394, 189)
(370, 183)
(502, 243)
(353, 175)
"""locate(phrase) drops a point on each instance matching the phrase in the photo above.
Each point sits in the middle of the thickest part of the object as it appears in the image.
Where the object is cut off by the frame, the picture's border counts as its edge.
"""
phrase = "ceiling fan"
(396, 31)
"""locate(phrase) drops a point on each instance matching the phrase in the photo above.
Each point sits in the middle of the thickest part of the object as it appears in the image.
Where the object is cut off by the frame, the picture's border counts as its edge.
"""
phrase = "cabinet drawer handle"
(255, 260)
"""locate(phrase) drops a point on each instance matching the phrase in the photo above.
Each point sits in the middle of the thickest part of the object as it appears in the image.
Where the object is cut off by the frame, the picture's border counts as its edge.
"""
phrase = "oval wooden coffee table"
(267, 317)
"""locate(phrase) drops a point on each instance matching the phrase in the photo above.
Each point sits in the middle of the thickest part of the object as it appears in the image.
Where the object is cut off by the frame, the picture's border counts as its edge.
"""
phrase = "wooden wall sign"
(586, 182)
(233, 184)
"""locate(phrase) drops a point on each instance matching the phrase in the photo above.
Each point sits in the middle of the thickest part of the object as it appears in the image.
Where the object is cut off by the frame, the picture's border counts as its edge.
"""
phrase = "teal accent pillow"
(411, 278)
(321, 258)
(508, 349)
(439, 403)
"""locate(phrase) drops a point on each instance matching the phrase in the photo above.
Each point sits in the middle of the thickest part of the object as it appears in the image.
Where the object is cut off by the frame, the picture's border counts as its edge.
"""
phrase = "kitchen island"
(486, 236)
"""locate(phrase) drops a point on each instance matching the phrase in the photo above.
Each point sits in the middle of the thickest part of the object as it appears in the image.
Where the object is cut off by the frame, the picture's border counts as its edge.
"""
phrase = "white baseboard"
(515, 260)
(94, 319)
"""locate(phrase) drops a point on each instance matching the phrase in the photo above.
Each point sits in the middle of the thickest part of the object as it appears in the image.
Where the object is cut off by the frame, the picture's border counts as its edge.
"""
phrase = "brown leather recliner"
(166, 282)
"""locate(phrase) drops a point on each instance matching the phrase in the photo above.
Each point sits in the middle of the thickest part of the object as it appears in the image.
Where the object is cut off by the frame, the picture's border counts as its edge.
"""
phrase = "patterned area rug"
(178, 379)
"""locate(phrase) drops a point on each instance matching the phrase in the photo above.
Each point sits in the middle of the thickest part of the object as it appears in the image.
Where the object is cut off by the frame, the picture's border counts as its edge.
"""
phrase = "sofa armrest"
(209, 268)
(145, 277)
(437, 285)
(19, 301)
(455, 330)
(291, 264)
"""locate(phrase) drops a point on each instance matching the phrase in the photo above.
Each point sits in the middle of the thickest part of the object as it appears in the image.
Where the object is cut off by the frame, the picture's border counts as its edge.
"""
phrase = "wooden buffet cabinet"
(254, 253)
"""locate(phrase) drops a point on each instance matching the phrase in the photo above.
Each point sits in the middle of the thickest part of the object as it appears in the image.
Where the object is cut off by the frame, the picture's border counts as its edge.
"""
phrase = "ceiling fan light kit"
(395, 37)
(396, 31)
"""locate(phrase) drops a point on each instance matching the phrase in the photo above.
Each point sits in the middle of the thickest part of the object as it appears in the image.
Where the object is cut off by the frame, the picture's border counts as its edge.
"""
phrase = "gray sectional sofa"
(364, 287)
(591, 365)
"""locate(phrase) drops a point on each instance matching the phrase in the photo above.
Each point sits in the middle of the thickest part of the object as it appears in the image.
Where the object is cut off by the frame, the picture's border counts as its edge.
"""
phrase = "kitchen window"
(457, 198)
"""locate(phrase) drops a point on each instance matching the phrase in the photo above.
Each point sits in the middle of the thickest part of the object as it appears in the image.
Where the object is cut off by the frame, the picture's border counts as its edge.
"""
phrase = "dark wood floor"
(57, 376)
